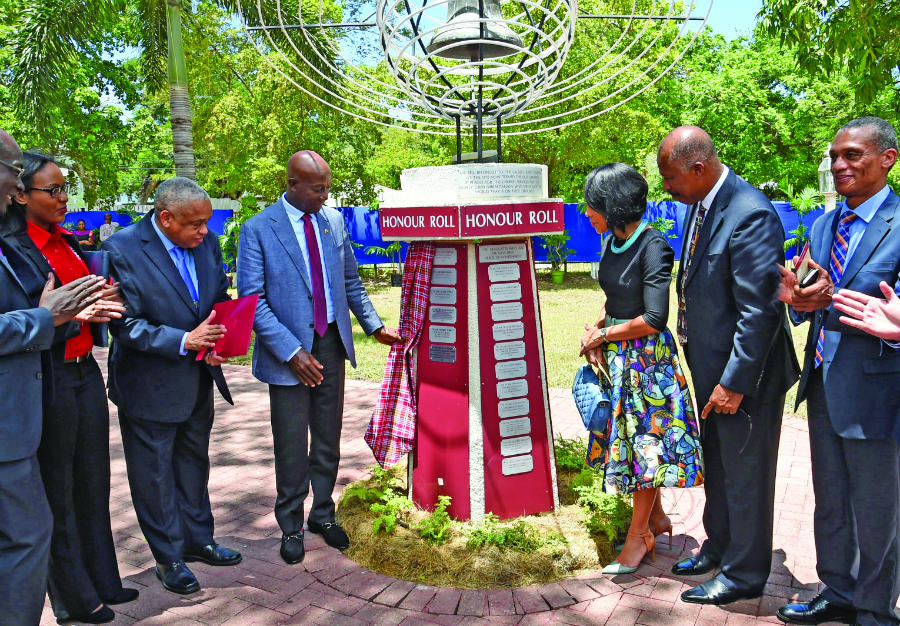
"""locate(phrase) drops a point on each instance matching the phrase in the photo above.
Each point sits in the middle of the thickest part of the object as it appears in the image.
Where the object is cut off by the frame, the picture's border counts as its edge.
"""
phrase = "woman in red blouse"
(74, 450)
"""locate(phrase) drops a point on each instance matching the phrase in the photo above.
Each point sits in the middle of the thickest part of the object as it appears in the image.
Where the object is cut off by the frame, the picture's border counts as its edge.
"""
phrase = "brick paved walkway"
(329, 589)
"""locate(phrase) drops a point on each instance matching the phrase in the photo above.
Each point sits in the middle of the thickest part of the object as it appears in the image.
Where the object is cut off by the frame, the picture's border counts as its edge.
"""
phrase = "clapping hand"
(65, 302)
(875, 316)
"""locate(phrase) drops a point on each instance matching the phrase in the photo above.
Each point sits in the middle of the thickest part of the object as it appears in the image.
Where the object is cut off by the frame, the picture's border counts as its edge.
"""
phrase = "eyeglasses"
(54, 191)
(20, 171)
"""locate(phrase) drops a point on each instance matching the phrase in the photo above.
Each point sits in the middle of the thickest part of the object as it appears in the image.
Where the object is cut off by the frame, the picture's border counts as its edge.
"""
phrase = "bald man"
(738, 347)
(26, 329)
(297, 256)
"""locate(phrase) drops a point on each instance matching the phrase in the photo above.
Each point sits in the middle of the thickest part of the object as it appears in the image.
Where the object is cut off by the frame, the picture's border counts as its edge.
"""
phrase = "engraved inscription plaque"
(512, 388)
(506, 311)
(512, 408)
(518, 465)
(515, 427)
(508, 330)
(515, 445)
(503, 271)
(443, 276)
(445, 256)
(441, 353)
(509, 350)
(502, 253)
(510, 369)
(441, 334)
(506, 291)
(442, 314)
(442, 295)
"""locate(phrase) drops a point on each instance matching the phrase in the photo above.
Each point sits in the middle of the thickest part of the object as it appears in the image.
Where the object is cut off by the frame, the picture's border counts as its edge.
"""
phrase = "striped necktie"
(836, 269)
(695, 236)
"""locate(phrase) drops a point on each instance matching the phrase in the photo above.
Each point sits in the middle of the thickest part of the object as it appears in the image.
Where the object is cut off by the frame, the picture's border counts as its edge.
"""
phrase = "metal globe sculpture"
(441, 66)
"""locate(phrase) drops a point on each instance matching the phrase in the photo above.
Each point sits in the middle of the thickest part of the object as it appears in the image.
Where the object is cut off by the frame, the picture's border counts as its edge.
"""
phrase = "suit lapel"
(284, 230)
(6, 250)
(711, 223)
(155, 250)
(875, 232)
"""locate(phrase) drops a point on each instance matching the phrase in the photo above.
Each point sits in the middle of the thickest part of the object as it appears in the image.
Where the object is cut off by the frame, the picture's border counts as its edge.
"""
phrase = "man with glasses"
(26, 329)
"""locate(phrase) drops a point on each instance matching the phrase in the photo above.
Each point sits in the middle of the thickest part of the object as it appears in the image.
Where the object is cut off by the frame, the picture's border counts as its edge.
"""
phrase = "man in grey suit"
(296, 255)
(25, 331)
(738, 347)
(851, 385)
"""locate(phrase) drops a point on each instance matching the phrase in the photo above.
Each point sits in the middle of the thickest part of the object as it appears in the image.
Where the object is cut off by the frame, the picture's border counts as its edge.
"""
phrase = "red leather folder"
(237, 317)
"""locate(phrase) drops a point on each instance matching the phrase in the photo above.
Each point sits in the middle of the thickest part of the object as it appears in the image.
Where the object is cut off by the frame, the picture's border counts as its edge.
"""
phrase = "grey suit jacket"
(738, 335)
(25, 331)
(148, 377)
(271, 264)
(861, 373)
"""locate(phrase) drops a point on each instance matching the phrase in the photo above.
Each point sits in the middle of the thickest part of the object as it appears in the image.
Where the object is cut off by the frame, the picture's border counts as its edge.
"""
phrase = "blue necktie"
(836, 270)
(181, 253)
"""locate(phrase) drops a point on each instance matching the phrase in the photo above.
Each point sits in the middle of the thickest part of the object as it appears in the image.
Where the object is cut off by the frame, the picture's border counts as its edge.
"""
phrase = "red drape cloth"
(392, 429)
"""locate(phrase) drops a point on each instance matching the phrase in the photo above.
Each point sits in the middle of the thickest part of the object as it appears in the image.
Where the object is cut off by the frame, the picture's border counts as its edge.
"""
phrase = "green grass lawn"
(565, 309)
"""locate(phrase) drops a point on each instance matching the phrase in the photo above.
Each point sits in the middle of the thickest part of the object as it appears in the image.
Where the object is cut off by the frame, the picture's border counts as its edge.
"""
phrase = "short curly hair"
(618, 192)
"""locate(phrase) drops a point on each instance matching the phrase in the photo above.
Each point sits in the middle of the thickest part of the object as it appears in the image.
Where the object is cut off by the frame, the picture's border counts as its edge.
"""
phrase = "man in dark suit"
(851, 385)
(170, 269)
(25, 331)
(738, 347)
(296, 255)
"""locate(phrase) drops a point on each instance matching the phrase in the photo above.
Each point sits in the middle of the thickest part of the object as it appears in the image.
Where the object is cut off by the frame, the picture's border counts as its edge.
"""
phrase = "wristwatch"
(603, 332)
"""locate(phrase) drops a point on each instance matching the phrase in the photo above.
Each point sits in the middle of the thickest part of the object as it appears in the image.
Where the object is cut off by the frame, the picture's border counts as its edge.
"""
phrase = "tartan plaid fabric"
(695, 236)
(836, 269)
(392, 429)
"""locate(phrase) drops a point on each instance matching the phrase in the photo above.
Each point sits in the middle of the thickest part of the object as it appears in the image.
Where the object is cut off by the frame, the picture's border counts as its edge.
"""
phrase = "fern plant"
(803, 203)
(435, 529)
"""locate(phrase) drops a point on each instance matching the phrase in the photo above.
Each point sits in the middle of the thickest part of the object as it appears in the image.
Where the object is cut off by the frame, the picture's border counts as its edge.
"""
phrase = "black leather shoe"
(213, 554)
(125, 594)
(101, 616)
(816, 611)
(331, 532)
(695, 565)
(714, 591)
(177, 578)
(292, 549)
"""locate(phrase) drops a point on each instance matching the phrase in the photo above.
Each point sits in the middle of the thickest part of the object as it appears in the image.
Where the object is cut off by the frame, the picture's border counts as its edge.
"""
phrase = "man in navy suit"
(296, 255)
(851, 384)
(738, 345)
(25, 331)
(170, 269)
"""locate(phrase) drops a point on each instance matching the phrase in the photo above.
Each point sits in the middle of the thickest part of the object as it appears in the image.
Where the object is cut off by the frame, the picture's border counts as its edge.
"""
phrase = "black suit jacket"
(738, 335)
(148, 377)
(861, 373)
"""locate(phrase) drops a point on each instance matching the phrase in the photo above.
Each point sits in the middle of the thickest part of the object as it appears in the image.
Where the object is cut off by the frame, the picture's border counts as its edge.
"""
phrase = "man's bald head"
(309, 181)
(10, 183)
(689, 164)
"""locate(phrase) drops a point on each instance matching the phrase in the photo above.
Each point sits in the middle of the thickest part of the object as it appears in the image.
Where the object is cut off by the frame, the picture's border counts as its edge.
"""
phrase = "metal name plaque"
(506, 291)
(502, 252)
(509, 350)
(510, 369)
(506, 311)
(442, 354)
(512, 388)
(518, 465)
(442, 295)
(443, 276)
(503, 271)
(445, 256)
(512, 408)
(442, 334)
(508, 330)
(515, 427)
(515, 445)
(442, 314)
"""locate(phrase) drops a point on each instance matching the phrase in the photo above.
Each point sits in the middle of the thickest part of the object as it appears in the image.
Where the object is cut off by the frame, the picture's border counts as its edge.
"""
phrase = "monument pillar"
(483, 431)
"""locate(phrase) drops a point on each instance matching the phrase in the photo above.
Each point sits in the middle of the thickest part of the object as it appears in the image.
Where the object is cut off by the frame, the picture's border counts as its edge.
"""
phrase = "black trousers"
(857, 487)
(168, 472)
(740, 454)
(25, 528)
(74, 459)
(306, 429)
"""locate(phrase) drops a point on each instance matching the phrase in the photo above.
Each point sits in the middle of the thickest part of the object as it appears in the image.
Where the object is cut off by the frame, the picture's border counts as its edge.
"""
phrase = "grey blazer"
(271, 264)
(738, 334)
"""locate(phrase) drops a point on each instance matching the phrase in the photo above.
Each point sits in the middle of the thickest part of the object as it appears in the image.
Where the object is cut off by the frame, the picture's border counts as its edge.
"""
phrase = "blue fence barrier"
(362, 225)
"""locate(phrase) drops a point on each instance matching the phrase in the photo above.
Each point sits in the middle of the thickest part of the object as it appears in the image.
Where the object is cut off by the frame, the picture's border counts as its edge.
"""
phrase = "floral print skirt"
(652, 438)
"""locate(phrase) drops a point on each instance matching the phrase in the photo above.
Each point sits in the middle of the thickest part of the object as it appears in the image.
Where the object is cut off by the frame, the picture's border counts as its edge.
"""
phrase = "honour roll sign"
(480, 221)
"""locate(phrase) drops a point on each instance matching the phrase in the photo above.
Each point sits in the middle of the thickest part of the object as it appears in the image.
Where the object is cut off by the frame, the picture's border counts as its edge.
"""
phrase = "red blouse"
(68, 266)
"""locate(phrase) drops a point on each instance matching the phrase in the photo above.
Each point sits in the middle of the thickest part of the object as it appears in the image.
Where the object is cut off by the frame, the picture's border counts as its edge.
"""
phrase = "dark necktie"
(320, 315)
(695, 236)
(836, 265)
